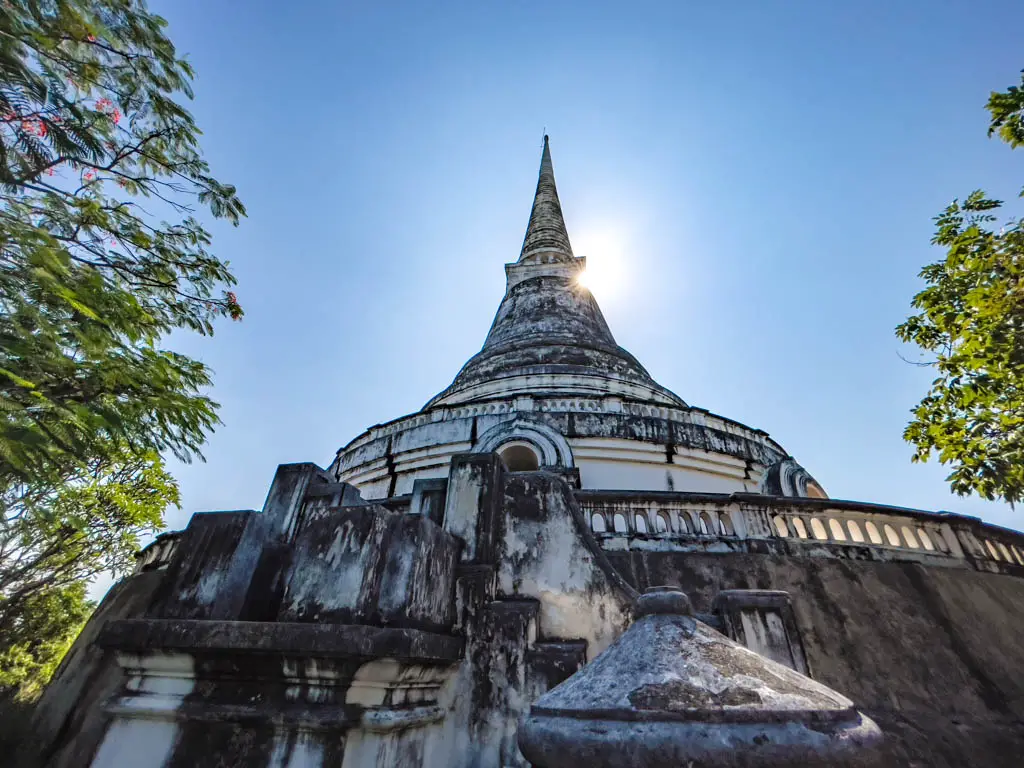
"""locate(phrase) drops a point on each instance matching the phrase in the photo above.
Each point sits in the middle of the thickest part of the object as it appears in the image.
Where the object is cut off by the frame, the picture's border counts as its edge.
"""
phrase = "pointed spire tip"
(546, 231)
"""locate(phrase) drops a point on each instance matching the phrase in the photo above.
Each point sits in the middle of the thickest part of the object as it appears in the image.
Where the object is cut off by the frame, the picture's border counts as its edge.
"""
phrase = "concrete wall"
(934, 655)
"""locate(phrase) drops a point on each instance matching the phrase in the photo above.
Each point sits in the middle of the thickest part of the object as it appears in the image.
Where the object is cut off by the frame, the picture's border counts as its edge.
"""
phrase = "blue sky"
(758, 177)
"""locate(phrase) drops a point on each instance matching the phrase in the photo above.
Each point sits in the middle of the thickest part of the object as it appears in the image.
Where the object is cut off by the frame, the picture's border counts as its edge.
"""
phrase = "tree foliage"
(95, 149)
(103, 252)
(55, 540)
(971, 319)
(32, 648)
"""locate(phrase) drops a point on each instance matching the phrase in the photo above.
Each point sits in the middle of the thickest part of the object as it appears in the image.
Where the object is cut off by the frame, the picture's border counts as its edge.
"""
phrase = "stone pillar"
(474, 504)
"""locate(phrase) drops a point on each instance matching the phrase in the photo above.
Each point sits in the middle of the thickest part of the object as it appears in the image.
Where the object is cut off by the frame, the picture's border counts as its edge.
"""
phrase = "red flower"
(89, 175)
(34, 127)
(91, 38)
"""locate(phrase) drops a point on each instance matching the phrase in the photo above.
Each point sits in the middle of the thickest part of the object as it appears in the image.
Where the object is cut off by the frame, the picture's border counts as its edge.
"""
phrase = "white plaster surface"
(137, 743)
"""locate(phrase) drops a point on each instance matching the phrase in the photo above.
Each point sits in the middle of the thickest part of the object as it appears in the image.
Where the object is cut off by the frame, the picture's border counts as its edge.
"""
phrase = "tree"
(31, 652)
(102, 254)
(971, 319)
(93, 146)
(46, 626)
(54, 541)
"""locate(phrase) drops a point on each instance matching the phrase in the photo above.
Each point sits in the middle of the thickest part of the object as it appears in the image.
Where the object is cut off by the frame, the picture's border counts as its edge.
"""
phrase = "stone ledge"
(280, 638)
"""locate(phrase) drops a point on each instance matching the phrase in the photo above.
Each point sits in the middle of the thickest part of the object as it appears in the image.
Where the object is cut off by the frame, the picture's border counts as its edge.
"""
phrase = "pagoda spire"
(546, 235)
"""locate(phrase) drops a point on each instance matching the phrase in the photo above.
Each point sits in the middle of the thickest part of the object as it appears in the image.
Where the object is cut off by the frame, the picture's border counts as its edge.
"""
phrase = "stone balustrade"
(721, 521)
(653, 520)
(158, 553)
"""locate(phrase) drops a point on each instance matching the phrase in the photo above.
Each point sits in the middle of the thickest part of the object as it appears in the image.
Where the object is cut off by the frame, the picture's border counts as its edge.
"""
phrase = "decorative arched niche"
(787, 478)
(519, 456)
(516, 439)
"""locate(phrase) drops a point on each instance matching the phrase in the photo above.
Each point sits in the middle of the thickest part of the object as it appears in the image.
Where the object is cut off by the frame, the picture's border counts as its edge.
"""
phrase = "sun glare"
(603, 275)
(585, 278)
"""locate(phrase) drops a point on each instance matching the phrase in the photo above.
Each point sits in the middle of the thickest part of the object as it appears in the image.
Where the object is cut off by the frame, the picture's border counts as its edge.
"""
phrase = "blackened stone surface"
(546, 230)
(672, 691)
(70, 718)
(554, 662)
(933, 655)
(141, 635)
(369, 565)
(551, 325)
(496, 652)
(197, 571)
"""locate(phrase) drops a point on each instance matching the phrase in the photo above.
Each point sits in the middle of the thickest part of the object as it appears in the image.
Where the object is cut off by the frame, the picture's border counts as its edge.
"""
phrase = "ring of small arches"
(705, 523)
(819, 528)
(1000, 552)
(859, 532)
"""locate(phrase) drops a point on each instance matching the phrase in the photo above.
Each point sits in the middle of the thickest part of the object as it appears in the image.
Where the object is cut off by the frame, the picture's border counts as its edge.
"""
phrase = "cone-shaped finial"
(546, 231)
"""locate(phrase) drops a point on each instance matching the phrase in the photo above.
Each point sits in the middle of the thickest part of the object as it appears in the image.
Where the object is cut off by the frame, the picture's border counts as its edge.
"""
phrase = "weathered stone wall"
(934, 655)
(70, 719)
(616, 444)
(537, 598)
(415, 632)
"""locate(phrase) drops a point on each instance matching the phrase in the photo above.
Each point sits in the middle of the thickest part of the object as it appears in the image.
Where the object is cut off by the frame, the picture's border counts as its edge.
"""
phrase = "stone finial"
(672, 691)
(546, 233)
(663, 600)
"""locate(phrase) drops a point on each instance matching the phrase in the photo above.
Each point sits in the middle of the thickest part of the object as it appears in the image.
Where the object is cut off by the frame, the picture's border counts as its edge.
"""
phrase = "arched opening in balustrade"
(706, 526)
(780, 526)
(799, 527)
(925, 539)
(598, 523)
(941, 543)
(873, 534)
(818, 529)
(909, 537)
(855, 532)
(661, 523)
(1019, 555)
(1006, 553)
(725, 524)
(836, 529)
(619, 523)
(891, 537)
(685, 523)
(640, 522)
(992, 549)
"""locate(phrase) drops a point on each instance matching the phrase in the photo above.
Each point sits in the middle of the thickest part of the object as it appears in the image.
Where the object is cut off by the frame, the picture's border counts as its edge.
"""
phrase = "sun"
(604, 273)
(586, 279)
(599, 278)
